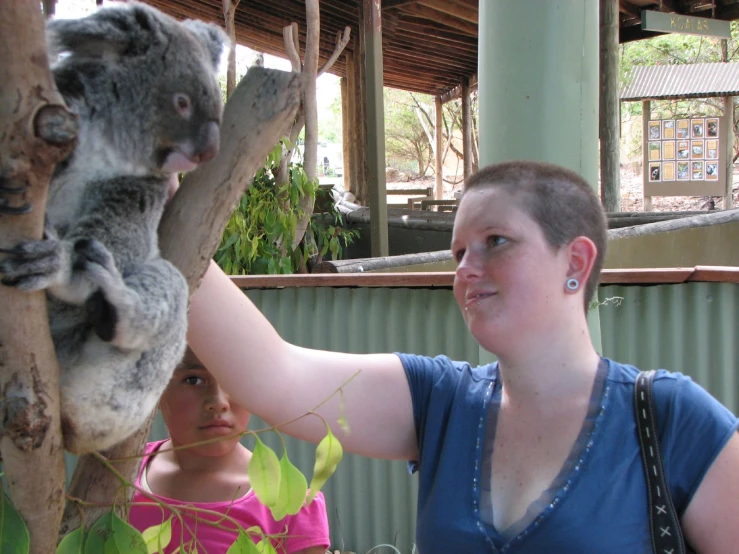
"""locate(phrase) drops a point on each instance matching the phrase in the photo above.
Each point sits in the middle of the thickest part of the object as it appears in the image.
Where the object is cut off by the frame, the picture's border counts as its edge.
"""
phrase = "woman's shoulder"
(444, 367)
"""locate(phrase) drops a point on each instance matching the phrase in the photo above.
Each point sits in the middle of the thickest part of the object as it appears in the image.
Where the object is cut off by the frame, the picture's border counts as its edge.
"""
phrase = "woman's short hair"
(563, 204)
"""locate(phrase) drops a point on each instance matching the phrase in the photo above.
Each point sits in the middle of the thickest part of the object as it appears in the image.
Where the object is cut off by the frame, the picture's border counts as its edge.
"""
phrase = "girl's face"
(509, 281)
(195, 408)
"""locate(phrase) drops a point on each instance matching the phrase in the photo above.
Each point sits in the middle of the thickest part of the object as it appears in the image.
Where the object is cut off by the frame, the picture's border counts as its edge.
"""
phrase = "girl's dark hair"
(559, 200)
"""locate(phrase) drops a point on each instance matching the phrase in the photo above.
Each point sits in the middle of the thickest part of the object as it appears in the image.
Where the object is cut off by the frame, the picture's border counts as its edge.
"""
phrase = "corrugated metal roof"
(666, 82)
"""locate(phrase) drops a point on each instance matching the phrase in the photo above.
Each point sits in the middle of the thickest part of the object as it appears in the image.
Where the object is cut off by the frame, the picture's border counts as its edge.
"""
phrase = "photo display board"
(685, 157)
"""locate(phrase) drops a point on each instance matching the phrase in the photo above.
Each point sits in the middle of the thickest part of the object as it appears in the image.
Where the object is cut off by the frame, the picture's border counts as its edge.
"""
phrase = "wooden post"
(345, 128)
(729, 115)
(466, 128)
(439, 190)
(729, 118)
(372, 24)
(609, 121)
(646, 114)
(360, 123)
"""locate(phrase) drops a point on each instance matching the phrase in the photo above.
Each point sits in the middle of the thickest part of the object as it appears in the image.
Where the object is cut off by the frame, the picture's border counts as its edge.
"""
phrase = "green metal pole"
(538, 87)
(538, 82)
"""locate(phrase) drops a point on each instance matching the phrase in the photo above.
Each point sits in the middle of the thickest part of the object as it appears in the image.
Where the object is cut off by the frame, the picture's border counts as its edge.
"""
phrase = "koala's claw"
(6, 191)
(88, 251)
(30, 265)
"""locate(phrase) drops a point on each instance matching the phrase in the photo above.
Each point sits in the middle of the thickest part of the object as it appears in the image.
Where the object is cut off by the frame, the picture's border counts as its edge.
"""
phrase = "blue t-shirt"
(598, 502)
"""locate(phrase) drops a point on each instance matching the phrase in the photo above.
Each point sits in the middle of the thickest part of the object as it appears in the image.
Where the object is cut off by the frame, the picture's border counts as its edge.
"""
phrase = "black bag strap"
(667, 537)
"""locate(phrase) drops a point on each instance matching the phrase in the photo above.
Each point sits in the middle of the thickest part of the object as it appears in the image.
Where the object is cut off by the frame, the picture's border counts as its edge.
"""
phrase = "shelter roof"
(429, 46)
(668, 82)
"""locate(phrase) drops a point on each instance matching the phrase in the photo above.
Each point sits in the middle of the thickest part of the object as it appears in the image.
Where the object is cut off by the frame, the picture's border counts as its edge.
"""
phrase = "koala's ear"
(129, 30)
(214, 39)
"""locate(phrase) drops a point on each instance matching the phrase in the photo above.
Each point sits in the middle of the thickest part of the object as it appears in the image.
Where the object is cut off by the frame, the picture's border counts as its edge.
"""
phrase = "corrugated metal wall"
(692, 328)
(370, 502)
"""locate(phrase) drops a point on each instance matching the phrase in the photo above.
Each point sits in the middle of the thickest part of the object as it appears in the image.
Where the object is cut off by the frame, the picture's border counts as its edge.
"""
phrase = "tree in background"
(409, 130)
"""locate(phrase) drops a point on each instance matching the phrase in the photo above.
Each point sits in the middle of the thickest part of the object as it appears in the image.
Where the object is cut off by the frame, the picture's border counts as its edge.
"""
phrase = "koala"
(144, 89)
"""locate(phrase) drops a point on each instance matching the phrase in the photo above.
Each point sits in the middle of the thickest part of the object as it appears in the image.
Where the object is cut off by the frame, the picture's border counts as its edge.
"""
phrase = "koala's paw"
(12, 198)
(32, 265)
(94, 262)
(102, 315)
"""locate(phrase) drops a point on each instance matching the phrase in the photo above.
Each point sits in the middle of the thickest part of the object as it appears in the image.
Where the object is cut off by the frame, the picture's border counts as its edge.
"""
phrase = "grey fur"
(144, 88)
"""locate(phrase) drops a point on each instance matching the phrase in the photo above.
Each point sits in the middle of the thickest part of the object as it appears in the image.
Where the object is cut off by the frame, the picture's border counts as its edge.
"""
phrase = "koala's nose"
(209, 142)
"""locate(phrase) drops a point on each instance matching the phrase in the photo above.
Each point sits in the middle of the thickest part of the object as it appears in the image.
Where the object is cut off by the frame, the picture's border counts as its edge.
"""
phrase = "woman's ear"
(581, 253)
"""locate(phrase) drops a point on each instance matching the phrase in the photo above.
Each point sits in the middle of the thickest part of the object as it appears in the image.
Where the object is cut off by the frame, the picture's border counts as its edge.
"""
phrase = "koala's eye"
(182, 104)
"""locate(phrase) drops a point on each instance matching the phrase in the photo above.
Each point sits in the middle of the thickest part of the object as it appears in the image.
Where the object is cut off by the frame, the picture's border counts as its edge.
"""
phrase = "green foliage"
(328, 233)
(158, 537)
(259, 235)
(328, 456)
(14, 538)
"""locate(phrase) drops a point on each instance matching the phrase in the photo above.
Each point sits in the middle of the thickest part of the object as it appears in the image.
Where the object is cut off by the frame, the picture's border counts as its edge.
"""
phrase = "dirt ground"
(631, 194)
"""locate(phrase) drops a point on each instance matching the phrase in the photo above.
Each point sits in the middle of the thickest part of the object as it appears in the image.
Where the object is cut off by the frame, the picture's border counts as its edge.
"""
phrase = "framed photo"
(654, 151)
(696, 150)
(711, 171)
(697, 128)
(668, 171)
(683, 171)
(711, 150)
(683, 129)
(668, 129)
(696, 169)
(712, 127)
(654, 130)
(683, 150)
(655, 171)
(668, 150)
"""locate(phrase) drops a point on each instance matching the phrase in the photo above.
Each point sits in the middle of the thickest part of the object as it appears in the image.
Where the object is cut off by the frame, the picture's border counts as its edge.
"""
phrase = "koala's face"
(187, 115)
(144, 84)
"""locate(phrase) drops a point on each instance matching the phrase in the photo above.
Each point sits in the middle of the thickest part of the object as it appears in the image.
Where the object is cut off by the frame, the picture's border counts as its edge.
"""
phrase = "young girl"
(214, 476)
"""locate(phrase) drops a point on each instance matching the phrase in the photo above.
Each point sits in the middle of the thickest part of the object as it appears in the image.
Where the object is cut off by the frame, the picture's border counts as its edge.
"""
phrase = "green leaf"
(100, 532)
(243, 545)
(328, 456)
(293, 488)
(265, 546)
(264, 474)
(231, 240)
(14, 538)
(72, 543)
(158, 537)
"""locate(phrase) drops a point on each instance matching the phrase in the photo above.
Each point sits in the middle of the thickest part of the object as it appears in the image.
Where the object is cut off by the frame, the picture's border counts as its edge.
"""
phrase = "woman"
(536, 453)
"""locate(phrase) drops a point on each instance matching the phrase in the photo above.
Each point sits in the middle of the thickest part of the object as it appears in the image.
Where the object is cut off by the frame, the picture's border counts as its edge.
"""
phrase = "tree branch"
(341, 42)
(37, 132)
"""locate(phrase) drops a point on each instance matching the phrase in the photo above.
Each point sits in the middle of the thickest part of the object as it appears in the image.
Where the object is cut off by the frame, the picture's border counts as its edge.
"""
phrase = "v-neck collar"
(551, 497)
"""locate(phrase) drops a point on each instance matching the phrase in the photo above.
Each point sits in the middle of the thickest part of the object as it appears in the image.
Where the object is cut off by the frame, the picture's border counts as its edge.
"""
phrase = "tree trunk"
(37, 132)
(259, 113)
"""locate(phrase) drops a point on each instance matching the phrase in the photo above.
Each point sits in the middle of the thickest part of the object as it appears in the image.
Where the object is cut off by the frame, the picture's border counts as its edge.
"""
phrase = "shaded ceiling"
(429, 46)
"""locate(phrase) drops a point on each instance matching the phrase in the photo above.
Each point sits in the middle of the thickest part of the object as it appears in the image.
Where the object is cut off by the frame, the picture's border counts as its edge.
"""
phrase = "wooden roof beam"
(456, 92)
(439, 16)
(454, 7)
(387, 4)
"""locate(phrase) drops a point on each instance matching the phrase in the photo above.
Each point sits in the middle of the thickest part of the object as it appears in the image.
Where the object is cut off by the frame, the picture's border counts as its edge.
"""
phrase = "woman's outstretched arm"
(279, 381)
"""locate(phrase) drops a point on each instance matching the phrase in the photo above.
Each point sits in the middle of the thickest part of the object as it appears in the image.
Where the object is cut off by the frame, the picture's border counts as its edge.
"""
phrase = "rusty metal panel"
(692, 328)
(664, 82)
